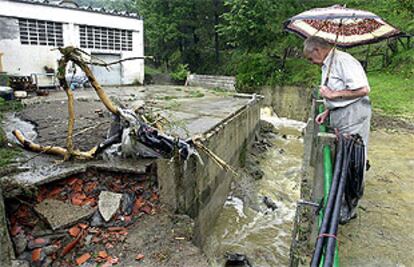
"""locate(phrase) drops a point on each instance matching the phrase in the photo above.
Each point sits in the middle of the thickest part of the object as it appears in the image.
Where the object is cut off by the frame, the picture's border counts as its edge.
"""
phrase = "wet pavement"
(383, 233)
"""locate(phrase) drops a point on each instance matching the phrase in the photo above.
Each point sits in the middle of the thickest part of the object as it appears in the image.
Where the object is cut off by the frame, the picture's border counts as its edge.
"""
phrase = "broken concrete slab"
(60, 214)
(108, 204)
(49, 172)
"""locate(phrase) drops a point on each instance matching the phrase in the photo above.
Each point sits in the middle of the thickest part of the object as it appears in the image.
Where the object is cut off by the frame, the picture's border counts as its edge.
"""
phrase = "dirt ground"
(165, 240)
(382, 235)
(379, 121)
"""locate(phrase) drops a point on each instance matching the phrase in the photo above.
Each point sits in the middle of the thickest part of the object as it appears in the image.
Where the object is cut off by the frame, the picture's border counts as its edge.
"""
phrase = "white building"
(29, 30)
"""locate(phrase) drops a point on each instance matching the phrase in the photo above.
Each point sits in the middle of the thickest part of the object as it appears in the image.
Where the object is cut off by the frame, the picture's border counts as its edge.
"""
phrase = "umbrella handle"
(333, 55)
(325, 83)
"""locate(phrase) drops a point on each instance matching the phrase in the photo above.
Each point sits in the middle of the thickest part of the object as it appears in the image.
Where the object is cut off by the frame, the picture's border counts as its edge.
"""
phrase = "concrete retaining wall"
(209, 81)
(201, 190)
(292, 102)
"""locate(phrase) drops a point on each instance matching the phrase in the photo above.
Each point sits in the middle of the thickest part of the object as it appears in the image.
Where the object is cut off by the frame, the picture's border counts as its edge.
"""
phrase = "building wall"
(26, 59)
(23, 59)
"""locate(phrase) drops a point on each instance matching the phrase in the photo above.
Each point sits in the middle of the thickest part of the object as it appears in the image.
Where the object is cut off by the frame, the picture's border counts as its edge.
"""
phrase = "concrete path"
(383, 235)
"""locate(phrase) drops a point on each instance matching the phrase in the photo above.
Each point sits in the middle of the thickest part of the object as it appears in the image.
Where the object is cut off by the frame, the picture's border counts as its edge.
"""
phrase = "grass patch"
(8, 155)
(196, 93)
(172, 104)
(167, 97)
(221, 92)
(392, 94)
(9, 106)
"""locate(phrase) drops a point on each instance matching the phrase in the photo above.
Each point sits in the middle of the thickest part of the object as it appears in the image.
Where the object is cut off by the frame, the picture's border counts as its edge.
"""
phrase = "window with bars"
(39, 32)
(105, 38)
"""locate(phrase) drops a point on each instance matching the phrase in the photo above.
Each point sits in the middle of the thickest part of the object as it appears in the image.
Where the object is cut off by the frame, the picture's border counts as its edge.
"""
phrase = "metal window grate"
(105, 38)
(39, 32)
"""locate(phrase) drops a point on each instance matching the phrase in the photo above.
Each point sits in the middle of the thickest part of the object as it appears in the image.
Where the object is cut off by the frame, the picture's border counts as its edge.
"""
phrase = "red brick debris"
(80, 242)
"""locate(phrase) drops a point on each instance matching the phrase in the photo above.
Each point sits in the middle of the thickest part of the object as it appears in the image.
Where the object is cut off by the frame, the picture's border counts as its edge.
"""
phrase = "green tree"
(182, 32)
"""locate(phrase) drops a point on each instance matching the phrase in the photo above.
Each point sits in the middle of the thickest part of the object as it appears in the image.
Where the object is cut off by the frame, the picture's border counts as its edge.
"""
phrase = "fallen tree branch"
(216, 159)
(114, 62)
(75, 55)
(55, 150)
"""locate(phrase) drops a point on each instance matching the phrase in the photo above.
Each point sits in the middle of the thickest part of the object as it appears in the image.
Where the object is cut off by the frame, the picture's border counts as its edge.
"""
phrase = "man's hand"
(327, 93)
(321, 118)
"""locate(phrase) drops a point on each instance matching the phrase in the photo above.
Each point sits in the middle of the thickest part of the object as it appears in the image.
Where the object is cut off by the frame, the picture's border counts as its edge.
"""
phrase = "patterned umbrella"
(341, 26)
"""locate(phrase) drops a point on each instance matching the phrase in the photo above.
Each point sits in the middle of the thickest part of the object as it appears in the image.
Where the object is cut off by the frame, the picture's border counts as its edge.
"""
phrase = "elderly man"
(345, 91)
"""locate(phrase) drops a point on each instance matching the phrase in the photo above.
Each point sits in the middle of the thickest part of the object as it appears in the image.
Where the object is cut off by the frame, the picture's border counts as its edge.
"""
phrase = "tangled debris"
(131, 135)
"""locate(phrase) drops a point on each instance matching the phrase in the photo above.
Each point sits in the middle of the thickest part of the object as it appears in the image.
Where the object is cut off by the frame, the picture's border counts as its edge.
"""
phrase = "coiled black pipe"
(333, 227)
(329, 205)
(355, 180)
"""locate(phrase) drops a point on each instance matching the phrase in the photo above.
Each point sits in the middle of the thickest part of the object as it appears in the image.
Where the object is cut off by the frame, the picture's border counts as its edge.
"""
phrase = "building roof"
(82, 8)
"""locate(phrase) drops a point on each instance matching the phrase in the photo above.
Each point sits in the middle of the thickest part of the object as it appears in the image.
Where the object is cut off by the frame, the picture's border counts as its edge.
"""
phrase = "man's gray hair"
(315, 42)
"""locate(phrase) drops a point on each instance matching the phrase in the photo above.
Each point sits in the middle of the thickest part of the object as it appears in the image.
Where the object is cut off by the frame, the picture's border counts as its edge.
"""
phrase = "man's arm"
(343, 94)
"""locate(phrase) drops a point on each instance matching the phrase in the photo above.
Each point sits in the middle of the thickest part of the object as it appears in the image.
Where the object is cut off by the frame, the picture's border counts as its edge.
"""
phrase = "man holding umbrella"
(345, 91)
(344, 85)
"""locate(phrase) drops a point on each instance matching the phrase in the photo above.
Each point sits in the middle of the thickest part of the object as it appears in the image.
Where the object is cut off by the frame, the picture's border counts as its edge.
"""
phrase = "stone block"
(60, 214)
(108, 204)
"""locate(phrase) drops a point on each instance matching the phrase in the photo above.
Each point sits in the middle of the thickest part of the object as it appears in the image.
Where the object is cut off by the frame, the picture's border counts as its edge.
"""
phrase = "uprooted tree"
(77, 56)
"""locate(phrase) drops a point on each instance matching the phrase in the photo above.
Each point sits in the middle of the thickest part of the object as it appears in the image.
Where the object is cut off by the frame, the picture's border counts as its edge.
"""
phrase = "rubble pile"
(80, 220)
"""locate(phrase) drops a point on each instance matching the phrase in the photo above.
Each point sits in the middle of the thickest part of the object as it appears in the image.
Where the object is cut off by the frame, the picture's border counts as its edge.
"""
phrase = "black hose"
(355, 180)
(333, 229)
(329, 205)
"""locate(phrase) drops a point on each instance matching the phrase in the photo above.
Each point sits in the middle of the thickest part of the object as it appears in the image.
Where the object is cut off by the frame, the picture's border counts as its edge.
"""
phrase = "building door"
(105, 77)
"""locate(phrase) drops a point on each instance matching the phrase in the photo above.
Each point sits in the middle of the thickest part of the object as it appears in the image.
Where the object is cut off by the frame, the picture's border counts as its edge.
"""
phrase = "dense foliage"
(245, 38)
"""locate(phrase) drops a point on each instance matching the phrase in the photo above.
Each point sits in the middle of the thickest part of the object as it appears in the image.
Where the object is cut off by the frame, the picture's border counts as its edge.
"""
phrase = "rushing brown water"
(262, 234)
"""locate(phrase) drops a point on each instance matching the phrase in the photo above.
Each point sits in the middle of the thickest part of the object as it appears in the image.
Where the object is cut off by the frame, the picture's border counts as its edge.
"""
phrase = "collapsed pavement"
(197, 190)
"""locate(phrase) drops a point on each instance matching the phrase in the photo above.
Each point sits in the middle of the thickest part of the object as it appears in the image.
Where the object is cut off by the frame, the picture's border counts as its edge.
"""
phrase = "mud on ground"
(381, 121)
(382, 234)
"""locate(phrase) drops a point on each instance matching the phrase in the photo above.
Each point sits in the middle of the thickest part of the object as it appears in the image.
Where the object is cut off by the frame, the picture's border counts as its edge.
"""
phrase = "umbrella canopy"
(341, 26)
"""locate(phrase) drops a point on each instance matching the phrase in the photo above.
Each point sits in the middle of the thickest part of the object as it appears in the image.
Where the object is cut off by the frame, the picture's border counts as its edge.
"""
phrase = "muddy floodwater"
(383, 233)
(263, 234)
